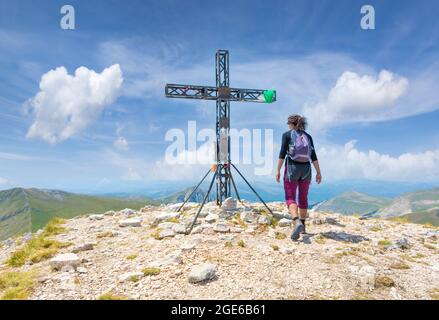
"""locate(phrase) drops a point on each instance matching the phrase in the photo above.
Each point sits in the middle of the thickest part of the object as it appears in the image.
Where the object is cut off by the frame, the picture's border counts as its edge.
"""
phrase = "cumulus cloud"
(357, 98)
(67, 104)
(186, 164)
(347, 162)
(3, 181)
(121, 143)
(132, 175)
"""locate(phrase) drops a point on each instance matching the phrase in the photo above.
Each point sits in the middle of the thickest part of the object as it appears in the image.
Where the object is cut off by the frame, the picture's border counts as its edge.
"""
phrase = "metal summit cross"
(223, 94)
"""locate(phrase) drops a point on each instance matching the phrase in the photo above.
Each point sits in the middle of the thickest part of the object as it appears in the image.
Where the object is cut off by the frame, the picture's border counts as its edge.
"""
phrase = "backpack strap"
(293, 136)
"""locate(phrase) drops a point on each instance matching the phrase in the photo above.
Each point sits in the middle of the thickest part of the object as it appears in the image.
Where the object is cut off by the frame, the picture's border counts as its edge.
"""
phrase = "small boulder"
(197, 229)
(236, 229)
(285, 250)
(284, 222)
(167, 225)
(81, 270)
(211, 218)
(65, 260)
(202, 272)
(179, 228)
(190, 244)
(95, 217)
(281, 215)
(333, 222)
(166, 233)
(265, 220)
(221, 227)
(130, 222)
(84, 247)
(229, 204)
(165, 216)
(127, 212)
(171, 259)
(247, 216)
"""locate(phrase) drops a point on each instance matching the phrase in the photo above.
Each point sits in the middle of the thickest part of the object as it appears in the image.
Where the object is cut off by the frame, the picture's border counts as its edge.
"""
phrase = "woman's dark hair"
(298, 121)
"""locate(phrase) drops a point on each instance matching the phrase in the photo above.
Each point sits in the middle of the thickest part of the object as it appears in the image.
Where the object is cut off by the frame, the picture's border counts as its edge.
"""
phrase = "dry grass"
(228, 244)
(275, 247)
(16, 285)
(151, 271)
(429, 246)
(105, 234)
(40, 247)
(385, 243)
(400, 265)
(238, 221)
(111, 296)
(174, 220)
(241, 243)
(384, 282)
(280, 235)
(320, 239)
(434, 294)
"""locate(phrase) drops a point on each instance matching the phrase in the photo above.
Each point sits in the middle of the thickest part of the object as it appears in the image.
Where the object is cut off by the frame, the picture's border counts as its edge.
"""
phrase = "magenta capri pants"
(297, 178)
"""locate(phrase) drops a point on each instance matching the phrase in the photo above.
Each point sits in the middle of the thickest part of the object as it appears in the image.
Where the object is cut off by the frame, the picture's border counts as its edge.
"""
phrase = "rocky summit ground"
(234, 252)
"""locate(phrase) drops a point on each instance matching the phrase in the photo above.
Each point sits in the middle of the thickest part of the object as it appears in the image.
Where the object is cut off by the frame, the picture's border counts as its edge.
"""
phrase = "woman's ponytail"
(298, 121)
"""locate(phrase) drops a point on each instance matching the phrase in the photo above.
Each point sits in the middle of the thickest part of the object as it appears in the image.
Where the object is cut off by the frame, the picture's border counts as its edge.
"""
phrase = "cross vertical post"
(222, 127)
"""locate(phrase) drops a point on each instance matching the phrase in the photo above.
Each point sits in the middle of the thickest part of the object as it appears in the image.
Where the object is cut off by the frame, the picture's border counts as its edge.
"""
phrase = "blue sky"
(366, 124)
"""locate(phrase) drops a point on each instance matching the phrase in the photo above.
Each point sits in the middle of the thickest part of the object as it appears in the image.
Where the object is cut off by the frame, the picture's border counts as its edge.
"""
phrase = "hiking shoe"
(298, 229)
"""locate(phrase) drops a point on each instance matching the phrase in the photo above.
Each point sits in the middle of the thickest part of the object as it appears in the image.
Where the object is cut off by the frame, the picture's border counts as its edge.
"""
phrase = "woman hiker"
(298, 150)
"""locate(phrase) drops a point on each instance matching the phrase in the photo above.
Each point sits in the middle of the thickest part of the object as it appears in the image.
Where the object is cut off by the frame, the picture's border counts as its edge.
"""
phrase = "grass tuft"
(228, 244)
(280, 235)
(241, 243)
(385, 243)
(173, 220)
(384, 281)
(151, 271)
(400, 265)
(275, 247)
(105, 234)
(131, 256)
(16, 285)
(40, 247)
(111, 296)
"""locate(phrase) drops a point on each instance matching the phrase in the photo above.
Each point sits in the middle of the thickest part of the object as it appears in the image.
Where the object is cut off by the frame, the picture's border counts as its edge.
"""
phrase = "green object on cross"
(269, 95)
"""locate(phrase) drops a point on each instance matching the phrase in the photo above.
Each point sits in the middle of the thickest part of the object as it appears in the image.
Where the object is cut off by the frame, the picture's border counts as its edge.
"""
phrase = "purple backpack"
(300, 147)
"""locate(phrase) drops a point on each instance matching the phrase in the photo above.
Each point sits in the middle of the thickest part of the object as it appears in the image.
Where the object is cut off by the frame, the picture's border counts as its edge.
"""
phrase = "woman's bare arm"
(279, 167)
(318, 173)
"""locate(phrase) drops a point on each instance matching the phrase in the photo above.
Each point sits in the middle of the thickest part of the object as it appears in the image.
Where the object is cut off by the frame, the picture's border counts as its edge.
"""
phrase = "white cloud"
(3, 181)
(357, 98)
(347, 162)
(67, 104)
(185, 165)
(132, 175)
(121, 143)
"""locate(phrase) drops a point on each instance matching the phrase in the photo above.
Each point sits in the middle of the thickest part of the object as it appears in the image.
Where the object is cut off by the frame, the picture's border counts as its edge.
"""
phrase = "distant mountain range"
(181, 196)
(27, 210)
(419, 206)
(353, 202)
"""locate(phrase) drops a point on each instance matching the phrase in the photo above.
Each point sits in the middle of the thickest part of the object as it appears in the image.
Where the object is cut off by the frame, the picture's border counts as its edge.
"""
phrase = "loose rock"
(203, 272)
(65, 260)
(131, 222)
